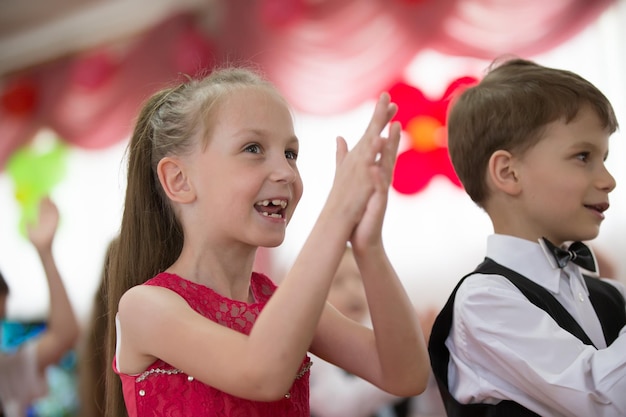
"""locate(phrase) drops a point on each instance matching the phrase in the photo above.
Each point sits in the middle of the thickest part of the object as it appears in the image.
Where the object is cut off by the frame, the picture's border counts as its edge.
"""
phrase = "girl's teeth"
(275, 215)
(266, 203)
(281, 203)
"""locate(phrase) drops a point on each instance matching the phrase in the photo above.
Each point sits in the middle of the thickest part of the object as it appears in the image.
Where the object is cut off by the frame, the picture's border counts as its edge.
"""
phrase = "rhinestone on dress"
(300, 374)
(160, 371)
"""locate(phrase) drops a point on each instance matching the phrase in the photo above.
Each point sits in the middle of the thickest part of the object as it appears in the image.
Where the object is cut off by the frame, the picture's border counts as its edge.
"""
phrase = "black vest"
(607, 301)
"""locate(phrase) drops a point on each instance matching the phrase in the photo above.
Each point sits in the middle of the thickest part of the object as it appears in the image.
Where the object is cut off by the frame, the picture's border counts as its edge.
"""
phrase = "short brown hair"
(509, 109)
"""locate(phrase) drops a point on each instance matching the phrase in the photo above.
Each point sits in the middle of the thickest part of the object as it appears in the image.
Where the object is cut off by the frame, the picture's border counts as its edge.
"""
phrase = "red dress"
(163, 390)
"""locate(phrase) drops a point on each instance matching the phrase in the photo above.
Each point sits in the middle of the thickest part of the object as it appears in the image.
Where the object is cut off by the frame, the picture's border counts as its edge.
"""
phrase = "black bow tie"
(577, 252)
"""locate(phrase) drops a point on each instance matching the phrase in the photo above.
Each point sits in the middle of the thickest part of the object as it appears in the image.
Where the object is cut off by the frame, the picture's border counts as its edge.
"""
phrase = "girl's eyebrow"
(261, 134)
(247, 131)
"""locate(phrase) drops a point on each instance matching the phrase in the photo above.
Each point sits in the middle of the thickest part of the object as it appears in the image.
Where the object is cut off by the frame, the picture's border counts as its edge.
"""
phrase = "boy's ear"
(502, 172)
(174, 180)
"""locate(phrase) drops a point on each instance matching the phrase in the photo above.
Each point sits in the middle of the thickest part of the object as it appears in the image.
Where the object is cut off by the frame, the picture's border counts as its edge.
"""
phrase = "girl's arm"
(400, 345)
(394, 355)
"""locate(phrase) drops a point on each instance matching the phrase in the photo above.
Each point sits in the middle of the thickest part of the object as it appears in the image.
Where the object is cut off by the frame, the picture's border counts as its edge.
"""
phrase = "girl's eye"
(291, 155)
(253, 148)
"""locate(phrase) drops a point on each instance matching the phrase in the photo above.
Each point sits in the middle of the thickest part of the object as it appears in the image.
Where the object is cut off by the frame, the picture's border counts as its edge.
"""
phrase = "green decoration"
(35, 172)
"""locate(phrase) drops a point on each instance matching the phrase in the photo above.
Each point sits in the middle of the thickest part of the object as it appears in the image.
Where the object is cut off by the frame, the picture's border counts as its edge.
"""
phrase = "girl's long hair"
(151, 237)
(92, 363)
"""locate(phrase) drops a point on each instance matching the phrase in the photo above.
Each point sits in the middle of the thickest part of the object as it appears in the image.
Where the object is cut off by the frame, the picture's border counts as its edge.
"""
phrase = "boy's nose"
(607, 181)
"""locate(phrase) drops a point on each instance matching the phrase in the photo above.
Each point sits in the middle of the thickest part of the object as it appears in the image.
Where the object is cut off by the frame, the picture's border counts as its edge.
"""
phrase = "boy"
(527, 333)
(22, 374)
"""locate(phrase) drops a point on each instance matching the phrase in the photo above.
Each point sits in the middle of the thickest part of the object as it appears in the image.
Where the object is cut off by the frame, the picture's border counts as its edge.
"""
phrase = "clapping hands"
(364, 174)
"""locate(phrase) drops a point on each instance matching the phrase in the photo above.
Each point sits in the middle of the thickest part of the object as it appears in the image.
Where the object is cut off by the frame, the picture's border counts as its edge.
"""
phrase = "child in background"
(530, 332)
(334, 392)
(22, 374)
(212, 175)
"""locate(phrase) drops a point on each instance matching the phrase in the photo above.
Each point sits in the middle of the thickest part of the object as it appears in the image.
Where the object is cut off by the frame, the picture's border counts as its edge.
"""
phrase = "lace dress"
(163, 390)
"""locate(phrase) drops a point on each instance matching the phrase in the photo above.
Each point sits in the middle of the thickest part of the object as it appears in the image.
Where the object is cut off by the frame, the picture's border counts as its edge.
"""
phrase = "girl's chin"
(272, 243)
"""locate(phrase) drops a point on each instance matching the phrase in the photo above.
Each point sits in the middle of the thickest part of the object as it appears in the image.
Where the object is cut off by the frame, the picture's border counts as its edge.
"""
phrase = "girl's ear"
(174, 180)
(502, 172)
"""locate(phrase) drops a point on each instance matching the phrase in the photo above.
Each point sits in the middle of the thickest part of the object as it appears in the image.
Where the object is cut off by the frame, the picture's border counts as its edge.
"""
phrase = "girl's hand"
(362, 171)
(369, 229)
(42, 233)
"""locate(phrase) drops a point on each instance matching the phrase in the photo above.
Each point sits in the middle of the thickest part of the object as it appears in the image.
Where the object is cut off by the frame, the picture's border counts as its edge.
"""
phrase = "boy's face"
(564, 183)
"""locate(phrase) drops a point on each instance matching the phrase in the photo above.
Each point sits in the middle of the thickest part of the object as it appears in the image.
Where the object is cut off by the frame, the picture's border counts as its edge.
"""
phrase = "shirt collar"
(531, 260)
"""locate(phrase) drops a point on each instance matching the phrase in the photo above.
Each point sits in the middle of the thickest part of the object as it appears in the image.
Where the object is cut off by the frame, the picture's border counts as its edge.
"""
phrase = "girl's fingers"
(383, 113)
(342, 150)
(388, 156)
(391, 146)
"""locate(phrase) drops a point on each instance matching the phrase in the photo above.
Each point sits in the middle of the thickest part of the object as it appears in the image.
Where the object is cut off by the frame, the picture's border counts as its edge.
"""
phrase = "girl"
(212, 176)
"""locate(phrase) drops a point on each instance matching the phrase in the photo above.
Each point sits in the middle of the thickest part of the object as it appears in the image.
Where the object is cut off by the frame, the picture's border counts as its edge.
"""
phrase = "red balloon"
(20, 97)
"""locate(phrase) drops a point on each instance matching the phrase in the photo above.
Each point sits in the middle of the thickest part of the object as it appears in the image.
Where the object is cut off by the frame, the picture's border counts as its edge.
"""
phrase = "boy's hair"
(171, 122)
(509, 110)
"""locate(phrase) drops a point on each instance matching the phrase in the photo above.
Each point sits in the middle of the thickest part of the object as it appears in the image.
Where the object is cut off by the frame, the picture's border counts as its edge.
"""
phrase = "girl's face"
(246, 178)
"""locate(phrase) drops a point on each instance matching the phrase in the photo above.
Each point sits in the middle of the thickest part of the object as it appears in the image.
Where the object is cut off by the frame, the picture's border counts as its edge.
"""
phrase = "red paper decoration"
(424, 122)
(20, 97)
(93, 71)
(277, 13)
(193, 52)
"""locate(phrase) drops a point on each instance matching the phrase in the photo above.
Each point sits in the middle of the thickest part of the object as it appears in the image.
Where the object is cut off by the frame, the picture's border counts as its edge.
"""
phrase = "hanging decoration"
(91, 99)
(281, 13)
(92, 71)
(192, 51)
(326, 57)
(424, 123)
(19, 98)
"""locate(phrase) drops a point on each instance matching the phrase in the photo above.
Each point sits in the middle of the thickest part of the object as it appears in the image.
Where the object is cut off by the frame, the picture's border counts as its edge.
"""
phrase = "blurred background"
(73, 74)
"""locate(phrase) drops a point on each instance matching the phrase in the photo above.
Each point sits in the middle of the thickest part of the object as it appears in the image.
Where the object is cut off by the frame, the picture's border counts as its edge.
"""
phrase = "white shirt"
(504, 347)
(20, 381)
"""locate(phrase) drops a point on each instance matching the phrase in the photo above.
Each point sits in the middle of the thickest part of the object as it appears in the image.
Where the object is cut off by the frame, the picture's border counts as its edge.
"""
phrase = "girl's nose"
(284, 171)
